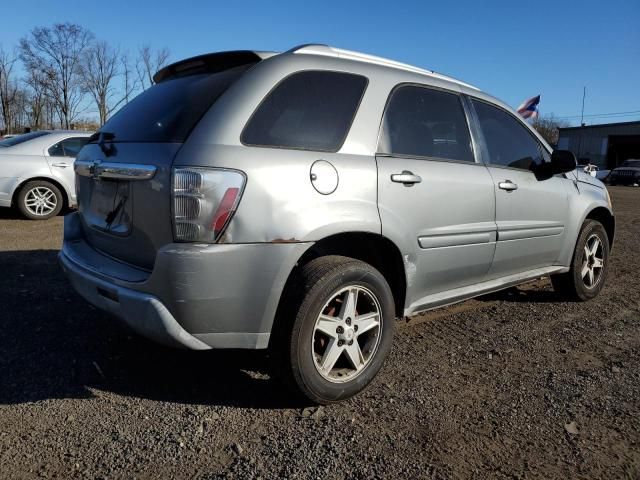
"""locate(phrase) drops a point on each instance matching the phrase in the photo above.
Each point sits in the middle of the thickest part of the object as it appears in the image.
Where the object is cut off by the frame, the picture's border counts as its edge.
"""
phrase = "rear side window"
(424, 122)
(168, 111)
(310, 110)
(68, 147)
(509, 143)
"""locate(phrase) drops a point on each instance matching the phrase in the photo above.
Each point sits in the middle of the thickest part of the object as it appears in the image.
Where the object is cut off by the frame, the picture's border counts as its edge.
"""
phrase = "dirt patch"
(512, 385)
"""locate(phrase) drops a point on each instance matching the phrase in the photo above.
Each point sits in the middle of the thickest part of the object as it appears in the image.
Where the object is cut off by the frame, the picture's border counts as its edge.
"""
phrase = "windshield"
(169, 110)
(631, 163)
(25, 137)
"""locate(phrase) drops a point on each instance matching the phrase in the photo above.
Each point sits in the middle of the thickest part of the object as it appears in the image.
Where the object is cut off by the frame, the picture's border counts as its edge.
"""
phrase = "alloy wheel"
(593, 261)
(40, 201)
(346, 334)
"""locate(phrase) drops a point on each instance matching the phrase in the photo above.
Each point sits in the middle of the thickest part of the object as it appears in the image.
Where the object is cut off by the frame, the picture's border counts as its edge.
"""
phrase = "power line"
(609, 114)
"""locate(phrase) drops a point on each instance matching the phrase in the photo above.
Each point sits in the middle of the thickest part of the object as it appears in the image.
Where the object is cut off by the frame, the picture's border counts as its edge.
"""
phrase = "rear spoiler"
(210, 63)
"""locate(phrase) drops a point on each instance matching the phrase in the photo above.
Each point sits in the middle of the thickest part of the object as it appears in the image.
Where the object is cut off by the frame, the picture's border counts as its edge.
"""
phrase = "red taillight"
(204, 201)
(225, 209)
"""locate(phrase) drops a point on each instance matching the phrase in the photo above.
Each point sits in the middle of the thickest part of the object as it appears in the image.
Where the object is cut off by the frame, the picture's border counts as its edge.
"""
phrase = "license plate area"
(110, 206)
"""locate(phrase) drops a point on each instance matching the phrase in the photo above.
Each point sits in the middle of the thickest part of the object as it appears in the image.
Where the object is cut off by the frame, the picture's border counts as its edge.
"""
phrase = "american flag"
(529, 108)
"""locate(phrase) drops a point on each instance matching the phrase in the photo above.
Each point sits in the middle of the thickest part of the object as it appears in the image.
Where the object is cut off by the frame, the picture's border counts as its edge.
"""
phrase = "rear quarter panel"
(280, 204)
(15, 169)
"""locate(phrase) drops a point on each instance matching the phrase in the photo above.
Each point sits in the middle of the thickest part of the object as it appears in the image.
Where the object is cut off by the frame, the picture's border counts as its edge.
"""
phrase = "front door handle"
(508, 185)
(61, 164)
(407, 178)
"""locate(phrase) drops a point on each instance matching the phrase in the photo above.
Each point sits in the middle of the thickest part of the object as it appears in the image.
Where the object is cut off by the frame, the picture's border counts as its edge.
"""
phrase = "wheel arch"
(374, 249)
(66, 197)
(604, 216)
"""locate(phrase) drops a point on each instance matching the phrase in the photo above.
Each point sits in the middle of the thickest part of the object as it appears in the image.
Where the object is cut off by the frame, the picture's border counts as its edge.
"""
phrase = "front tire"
(589, 265)
(39, 200)
(337, 329)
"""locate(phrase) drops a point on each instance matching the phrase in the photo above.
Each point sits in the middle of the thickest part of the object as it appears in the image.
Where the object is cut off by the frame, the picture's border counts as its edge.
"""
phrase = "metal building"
(606, 145)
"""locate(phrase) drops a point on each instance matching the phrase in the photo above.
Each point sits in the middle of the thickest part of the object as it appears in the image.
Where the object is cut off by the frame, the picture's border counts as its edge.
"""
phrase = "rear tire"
(334, 330)
(589, 265)
(39, 200)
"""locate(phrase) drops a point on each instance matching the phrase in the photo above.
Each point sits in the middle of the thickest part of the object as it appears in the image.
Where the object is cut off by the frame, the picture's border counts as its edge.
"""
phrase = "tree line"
(67, 73)
(61, 76)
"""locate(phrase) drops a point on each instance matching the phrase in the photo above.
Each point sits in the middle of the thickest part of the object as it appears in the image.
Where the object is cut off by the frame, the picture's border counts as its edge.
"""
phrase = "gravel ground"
(512, 385)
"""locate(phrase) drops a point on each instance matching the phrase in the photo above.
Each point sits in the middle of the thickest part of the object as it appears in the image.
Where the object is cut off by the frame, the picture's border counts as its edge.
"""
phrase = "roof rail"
(328, 51)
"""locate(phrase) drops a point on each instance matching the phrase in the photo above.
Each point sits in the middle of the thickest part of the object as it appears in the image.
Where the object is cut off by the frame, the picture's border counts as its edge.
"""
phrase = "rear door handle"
(61, 164)
(406, 177)
(508, 185)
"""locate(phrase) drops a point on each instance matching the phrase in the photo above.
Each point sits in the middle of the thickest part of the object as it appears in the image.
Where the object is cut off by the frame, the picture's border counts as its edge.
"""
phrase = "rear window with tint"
(168, 111)
(425, 122)
(310, 110)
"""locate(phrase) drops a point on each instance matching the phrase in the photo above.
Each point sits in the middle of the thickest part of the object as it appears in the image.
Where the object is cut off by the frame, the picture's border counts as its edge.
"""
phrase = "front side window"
(69, 147)
(508, 142)
(424, 122)
(311, 110)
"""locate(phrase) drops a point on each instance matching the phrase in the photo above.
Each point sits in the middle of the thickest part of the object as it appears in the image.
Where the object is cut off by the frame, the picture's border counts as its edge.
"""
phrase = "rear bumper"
(197, 296)
(143, 313)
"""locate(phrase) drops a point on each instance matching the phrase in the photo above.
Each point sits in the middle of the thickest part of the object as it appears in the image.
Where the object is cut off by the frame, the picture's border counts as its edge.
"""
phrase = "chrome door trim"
(456, 240)
(115, 171)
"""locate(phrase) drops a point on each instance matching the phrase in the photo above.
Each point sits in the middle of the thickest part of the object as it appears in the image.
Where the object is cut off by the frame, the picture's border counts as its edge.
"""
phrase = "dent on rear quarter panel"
(279, 203)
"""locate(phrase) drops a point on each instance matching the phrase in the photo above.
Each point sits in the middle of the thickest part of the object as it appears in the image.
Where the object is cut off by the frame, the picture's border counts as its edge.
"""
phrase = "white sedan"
(36, 171)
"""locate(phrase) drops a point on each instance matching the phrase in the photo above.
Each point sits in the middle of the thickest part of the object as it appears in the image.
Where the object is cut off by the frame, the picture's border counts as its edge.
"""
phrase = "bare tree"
(149, 63)
(39, 102)
(547, 126)
(129, 84)
(98, 70)
(8, 88)
(20, 113)
(57, 51)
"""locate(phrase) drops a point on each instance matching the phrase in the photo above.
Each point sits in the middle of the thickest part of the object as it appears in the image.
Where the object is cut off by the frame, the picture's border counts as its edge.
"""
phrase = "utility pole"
(584, 94)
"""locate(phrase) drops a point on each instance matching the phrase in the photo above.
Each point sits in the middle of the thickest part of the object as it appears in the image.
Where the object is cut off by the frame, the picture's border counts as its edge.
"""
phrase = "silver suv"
(302, 201)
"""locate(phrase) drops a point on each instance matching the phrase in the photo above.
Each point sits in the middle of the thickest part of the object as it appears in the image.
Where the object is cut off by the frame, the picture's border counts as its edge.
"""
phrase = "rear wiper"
(113, 214)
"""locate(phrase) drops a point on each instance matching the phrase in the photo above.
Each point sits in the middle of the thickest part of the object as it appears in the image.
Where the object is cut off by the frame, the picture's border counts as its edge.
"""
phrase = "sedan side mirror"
(563, 161)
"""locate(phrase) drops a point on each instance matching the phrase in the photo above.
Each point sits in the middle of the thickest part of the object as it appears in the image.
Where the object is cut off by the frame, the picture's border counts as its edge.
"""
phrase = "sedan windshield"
(10, 142)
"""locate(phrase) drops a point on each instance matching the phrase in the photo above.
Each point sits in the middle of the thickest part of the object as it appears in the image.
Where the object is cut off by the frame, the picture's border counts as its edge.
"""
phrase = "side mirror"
(563, 161)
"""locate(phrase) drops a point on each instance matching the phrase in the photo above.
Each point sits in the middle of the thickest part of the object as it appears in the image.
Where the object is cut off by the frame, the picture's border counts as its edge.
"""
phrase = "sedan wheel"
(40, 200)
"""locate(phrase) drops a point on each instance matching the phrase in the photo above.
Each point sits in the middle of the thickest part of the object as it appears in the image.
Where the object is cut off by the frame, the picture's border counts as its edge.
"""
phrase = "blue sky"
(510, 49)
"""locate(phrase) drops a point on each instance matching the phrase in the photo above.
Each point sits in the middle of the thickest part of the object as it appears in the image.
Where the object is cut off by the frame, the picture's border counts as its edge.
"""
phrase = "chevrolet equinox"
(300, 202)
